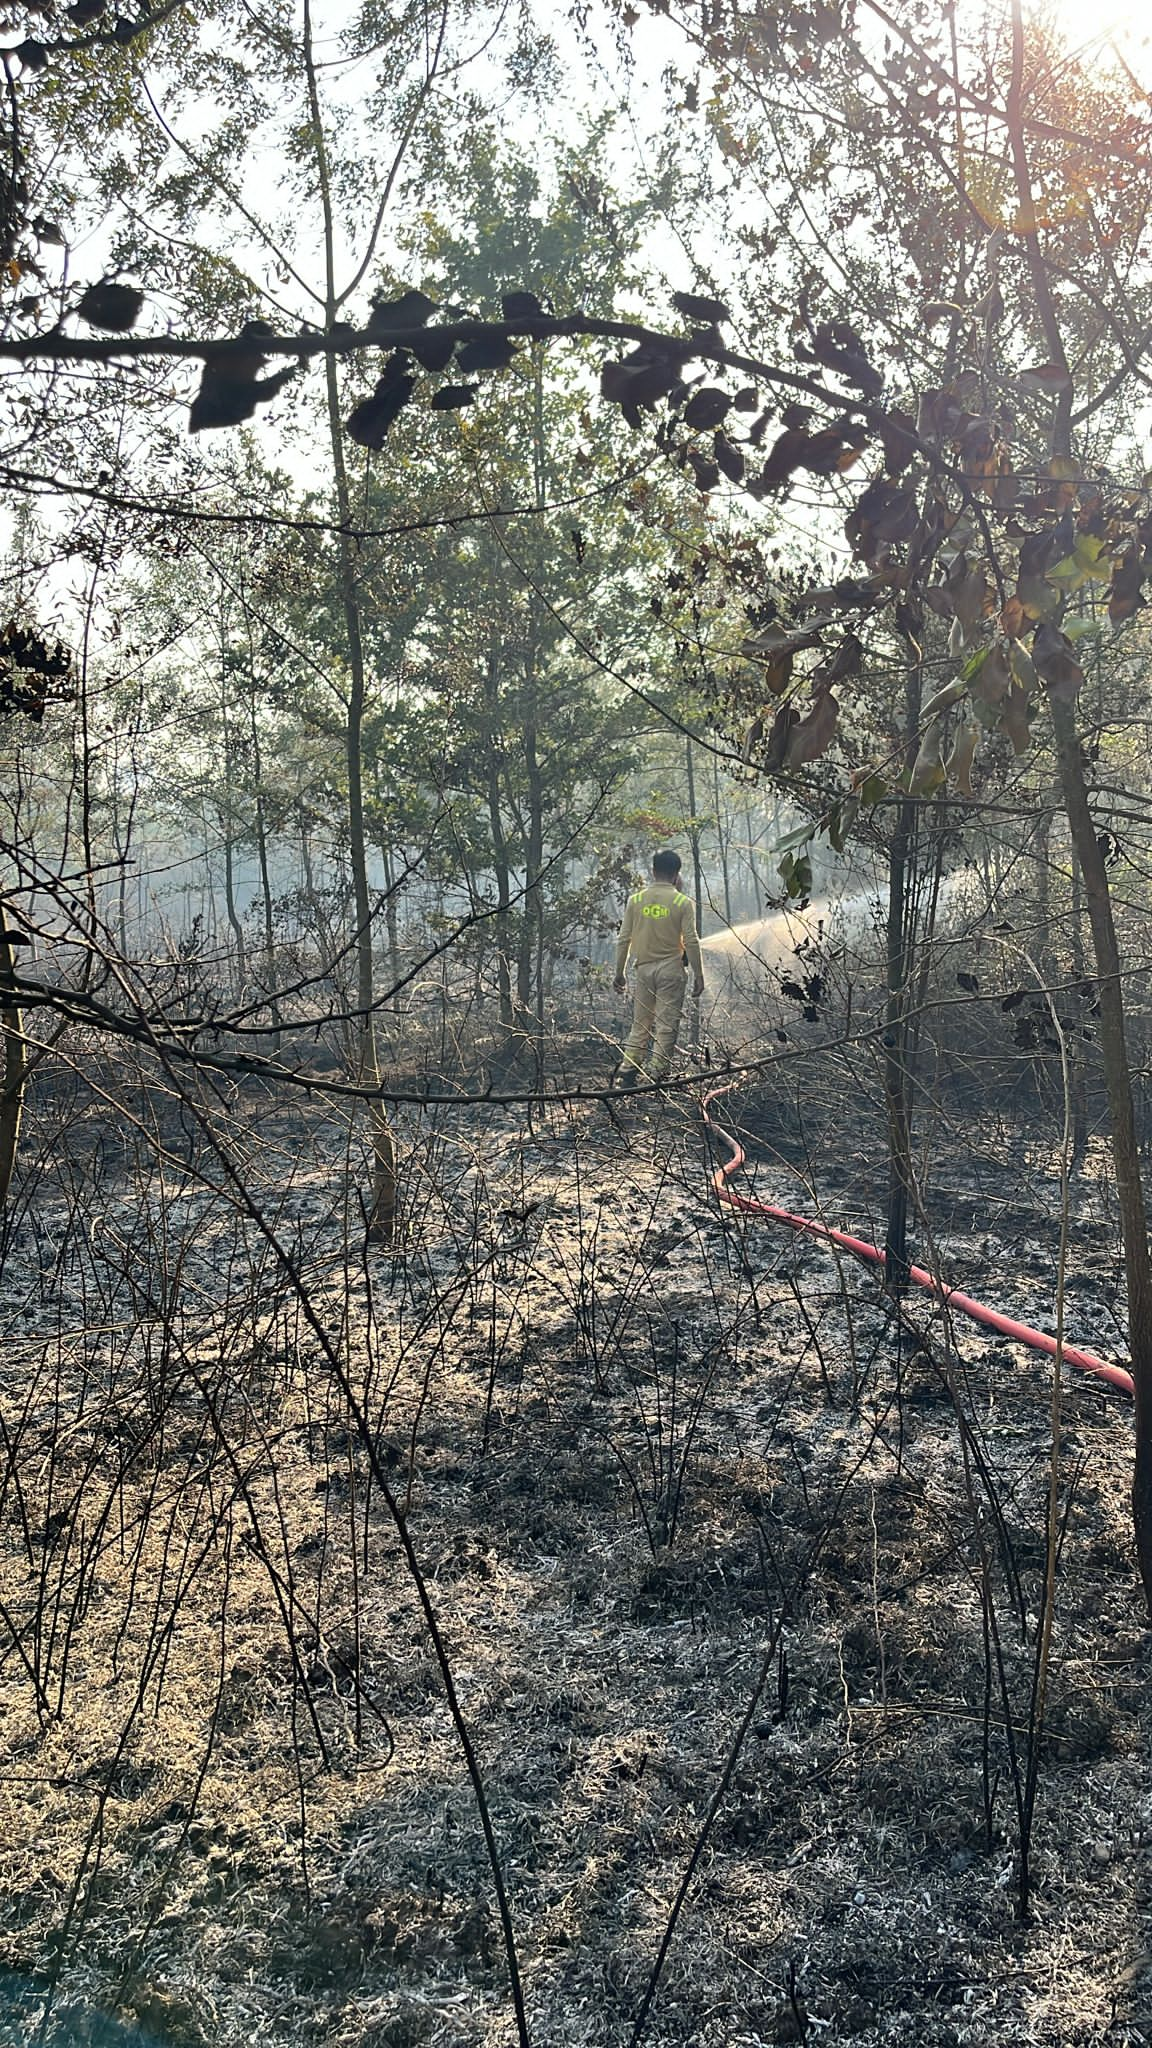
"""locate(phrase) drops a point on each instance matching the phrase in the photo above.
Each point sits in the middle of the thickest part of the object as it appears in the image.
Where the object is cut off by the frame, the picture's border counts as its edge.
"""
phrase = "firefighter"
(659, 931)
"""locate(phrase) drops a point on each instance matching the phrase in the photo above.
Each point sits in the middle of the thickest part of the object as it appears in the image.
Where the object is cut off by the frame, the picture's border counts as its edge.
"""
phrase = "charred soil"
(728, 1563)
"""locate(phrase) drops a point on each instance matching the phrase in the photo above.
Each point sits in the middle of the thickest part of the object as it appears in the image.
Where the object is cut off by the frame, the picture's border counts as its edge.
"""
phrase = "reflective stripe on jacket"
(659, 924)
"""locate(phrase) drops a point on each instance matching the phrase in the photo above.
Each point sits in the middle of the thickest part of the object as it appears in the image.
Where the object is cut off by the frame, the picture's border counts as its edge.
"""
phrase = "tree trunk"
(15, 1065)
(225, 807)
(382, 1207)
(260, 825)
(1125, 1150)
(391, 918)
(532, 929)
(697, 877)
(758, 892)
(531, 963)
(693, 832)
(1079, 1076)
(722, 837)
(900, 952)
(499, 842)
(1044, 958)
(1113, 1042)
(231, 911)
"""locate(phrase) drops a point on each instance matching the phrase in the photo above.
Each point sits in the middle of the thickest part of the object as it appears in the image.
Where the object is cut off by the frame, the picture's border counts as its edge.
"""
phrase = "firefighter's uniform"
(659, 930)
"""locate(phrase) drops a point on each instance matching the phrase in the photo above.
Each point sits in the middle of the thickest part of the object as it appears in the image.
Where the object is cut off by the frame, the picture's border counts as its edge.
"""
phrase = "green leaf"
(802, 835)
(950, 694)
(840, 821)
(795, 871)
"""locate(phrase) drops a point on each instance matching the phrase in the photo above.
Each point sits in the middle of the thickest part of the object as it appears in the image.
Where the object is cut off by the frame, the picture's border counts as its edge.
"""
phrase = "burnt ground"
(725, 1565)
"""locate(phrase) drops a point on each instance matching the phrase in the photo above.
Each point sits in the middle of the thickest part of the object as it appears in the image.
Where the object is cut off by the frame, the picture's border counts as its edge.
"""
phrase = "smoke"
(846, 928)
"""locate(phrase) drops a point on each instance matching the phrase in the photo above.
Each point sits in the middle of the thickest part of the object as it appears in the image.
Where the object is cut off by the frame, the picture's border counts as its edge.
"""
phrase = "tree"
(1000, 536)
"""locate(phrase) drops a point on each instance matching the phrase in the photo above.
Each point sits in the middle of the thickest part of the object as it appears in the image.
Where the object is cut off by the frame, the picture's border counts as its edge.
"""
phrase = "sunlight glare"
(1093, 24)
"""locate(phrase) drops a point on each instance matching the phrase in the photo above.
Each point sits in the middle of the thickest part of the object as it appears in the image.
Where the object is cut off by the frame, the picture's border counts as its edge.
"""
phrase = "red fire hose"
(1006, 1325)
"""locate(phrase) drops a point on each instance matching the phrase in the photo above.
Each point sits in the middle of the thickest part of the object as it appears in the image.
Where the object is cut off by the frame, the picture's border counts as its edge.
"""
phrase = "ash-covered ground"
(735, 1576)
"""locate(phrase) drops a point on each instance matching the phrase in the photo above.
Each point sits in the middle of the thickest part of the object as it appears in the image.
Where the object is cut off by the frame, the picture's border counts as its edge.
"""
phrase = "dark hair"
(666, 865)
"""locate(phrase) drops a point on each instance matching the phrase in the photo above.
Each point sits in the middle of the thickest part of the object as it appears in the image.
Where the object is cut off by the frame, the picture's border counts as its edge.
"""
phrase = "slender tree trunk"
(87, 794)
(499, 841)
(260, 827)
(122, 877)
(1089, 852)
(1079, 1077)
(503, 913)
(697, 877)
(382, 1208)
(1125, 1149)
(900, 957)
(896, 1077)
(229, 845)
(694, 832)
(531, 965)
(532, 929)
(122, 899)
(758, 892)
(14, 1071)
(391, 918)
(231, 910)
(238, 977)
(1044, 894)
(722, 841)
(121, 825)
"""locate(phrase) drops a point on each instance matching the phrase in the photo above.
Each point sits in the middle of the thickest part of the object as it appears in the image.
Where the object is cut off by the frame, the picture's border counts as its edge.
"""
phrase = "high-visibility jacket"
(659, 924)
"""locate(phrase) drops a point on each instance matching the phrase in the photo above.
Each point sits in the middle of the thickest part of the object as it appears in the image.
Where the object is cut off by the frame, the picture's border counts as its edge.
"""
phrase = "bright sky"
(1126, 22)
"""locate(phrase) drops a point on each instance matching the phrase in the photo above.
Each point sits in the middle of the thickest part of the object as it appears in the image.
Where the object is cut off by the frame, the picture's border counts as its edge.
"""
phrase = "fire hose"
(1007, 1326)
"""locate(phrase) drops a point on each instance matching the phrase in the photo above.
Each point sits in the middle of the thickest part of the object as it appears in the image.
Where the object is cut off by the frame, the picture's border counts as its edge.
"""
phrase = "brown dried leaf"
(928, 770)
(959, 763)
(1014, 719)
(1047, 378)
(814, 734)
(1125, 596)
(784, 456)
(898, 437)
(992, 680)
(1055, 662)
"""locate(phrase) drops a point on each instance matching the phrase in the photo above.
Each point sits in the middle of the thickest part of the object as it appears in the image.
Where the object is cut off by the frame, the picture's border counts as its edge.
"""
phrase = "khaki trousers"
(657, 1000)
